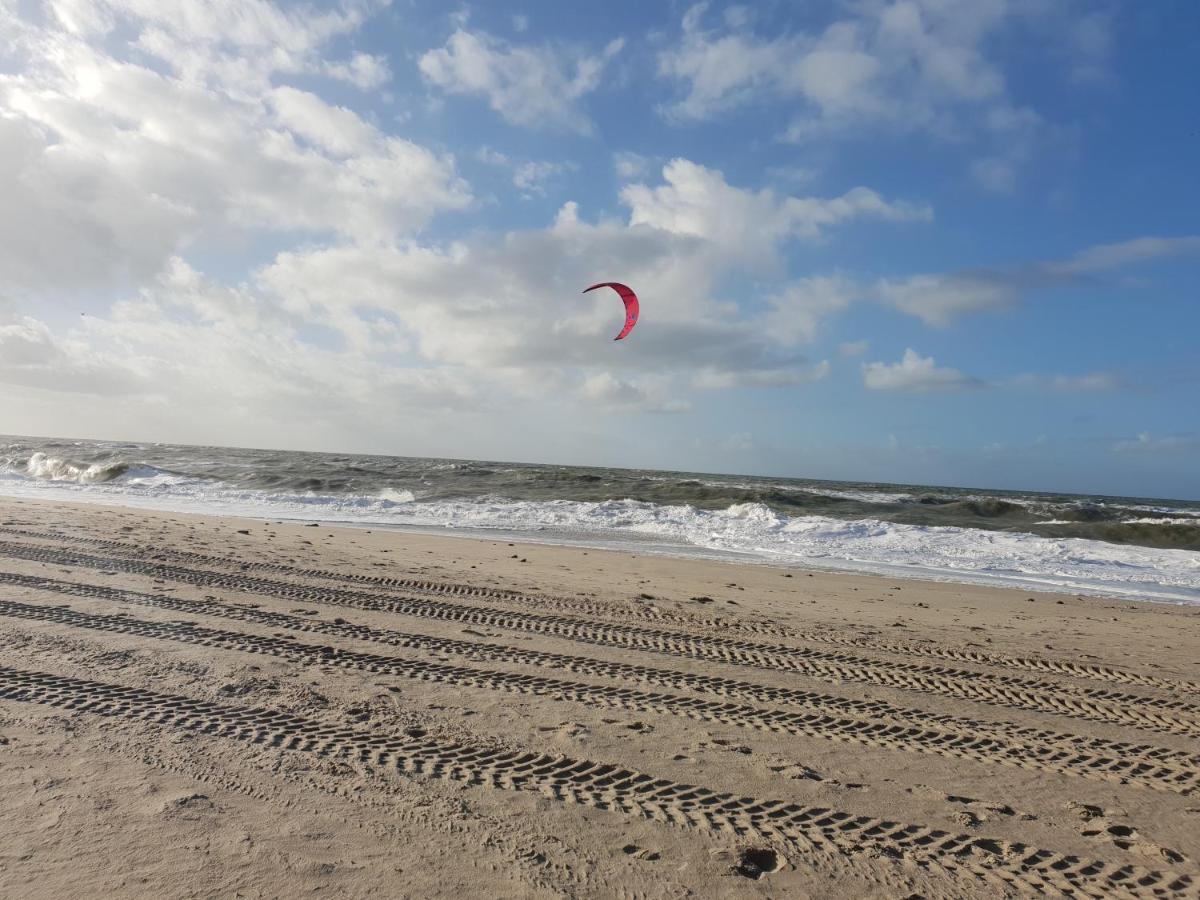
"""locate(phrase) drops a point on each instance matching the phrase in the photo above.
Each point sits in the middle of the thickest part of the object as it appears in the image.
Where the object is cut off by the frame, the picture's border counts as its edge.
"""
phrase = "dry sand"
(198, 706)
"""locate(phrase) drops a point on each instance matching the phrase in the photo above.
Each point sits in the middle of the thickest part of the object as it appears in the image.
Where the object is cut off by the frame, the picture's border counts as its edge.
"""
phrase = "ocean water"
(1114, 546)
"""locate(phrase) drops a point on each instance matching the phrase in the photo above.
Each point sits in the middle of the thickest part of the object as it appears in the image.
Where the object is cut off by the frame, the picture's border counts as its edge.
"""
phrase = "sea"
(1136, 548)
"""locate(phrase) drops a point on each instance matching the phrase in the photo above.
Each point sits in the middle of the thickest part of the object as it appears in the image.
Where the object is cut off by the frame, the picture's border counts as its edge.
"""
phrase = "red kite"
(631, 305)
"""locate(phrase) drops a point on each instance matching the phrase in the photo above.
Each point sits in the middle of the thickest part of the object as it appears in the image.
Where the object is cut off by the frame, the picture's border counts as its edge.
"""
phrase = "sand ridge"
(678, 726)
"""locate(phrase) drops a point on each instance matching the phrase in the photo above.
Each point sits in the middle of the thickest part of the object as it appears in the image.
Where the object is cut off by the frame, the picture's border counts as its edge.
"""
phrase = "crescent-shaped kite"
(631, 304)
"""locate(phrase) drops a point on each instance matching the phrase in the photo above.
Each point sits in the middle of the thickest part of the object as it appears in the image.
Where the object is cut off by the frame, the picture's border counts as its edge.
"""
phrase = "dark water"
(1145, 522)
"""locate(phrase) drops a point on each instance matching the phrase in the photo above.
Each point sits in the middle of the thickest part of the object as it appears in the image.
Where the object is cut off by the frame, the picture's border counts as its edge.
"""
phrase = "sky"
(916, 241)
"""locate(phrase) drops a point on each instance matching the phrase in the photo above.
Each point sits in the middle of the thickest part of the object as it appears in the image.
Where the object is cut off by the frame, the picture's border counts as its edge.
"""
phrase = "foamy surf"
(745, 531)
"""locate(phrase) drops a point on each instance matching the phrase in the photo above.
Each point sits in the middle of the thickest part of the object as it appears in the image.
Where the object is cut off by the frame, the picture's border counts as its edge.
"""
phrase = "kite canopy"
(631, 304)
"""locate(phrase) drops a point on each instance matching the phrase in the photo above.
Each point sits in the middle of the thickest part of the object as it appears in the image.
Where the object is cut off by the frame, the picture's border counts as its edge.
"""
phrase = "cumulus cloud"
(527, 85)
(123, 162)
(457, 325)
(905, 65)
(217, 353)
(916, 373)
(497, 302)
(748, 225)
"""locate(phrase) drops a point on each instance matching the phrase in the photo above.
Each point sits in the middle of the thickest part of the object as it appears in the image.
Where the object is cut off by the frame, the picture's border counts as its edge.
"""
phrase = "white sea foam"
(747, 531)
(860, 496)
(53, 468)
(389, 495)
(1163, 520)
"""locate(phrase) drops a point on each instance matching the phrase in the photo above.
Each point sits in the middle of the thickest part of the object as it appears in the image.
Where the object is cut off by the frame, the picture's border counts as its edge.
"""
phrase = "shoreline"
(657, 546)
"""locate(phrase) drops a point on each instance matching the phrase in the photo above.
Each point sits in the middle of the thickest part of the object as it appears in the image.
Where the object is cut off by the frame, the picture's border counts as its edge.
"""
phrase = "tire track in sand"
(882, 725)
(1066, 668)
(1004, 691)
(609, 787)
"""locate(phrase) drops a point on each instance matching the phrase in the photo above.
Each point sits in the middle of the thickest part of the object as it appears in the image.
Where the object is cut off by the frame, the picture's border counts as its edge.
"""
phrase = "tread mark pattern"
(609, 787)
(1006, 691)
(1066, 668)
(1154, 767)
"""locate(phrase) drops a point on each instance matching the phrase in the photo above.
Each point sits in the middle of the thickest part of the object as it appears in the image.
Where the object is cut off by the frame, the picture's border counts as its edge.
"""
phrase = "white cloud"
(364, 70)
(1126, 253)
(533, 177)
(210, 353)
(494, 302)
(749, 225)
(854, 348)
(120, 165)
(938, 299)
(334, 129)
(526, 85)
(31, 356)
(238, 44)
(510, 304)
(904, 63)
(898, 65)
(721, 72)
(798, 310)
(915, 373)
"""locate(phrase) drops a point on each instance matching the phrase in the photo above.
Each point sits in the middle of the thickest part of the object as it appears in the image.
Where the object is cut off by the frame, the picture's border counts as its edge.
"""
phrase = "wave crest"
(54, 468)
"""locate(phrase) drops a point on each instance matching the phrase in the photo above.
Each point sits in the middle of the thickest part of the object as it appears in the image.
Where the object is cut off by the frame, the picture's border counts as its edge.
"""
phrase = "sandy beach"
(202, 706)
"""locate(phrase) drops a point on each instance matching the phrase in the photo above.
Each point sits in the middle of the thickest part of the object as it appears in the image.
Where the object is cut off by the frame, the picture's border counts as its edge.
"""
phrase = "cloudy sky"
(906, 240)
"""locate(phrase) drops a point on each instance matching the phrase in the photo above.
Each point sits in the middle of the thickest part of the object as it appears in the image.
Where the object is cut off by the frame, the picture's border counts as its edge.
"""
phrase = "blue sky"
(897, 240)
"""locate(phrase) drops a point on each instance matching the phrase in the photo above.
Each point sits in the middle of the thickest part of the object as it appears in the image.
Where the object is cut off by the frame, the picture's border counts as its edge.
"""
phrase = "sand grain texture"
(193, 706)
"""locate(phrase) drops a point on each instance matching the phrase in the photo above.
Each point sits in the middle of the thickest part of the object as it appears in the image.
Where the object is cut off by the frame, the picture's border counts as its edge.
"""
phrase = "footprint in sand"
(756, 862)
(795, 771)
(191, 805)
(636, 852)
(576, 730)
(1103, 825)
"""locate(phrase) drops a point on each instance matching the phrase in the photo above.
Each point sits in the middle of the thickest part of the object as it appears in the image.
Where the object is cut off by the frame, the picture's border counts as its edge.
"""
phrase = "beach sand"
(201, 706)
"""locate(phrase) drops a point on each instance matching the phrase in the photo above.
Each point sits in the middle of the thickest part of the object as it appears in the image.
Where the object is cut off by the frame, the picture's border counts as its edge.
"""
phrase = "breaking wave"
(53, 468)
(1110, 546)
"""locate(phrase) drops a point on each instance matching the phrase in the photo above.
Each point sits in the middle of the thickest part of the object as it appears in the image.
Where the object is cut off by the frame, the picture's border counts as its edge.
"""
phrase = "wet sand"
(205, 706)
